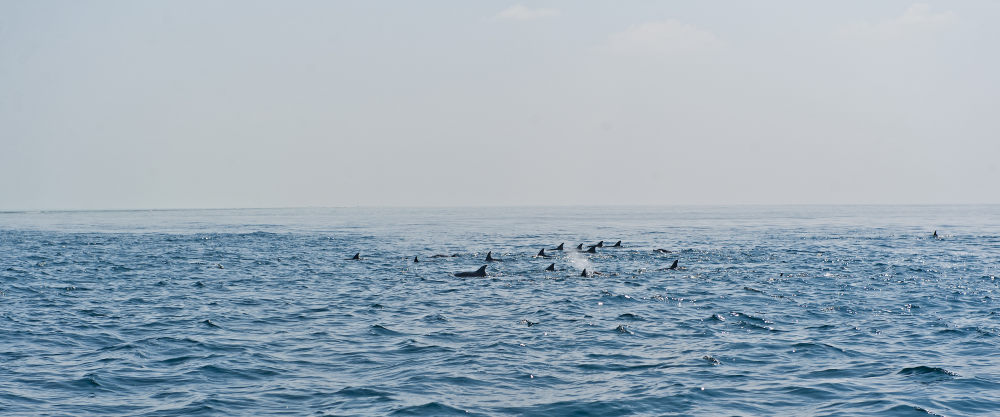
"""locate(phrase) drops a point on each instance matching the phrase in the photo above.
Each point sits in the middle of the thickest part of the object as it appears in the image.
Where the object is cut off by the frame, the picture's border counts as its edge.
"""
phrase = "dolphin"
(357, 257)
(674, 265)
(579, 247)
(454, 255)
(481, 272)
(552, 267)
(560, 247)
(600, 244)
(490, 258)
(934, 235)
(617, 245)
(593, 249)
(415, 259)
(542, 254)
(584, 273)
(663, 251)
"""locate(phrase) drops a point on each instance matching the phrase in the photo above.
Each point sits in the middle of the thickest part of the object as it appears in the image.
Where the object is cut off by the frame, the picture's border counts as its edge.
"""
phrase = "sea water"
(798, 310)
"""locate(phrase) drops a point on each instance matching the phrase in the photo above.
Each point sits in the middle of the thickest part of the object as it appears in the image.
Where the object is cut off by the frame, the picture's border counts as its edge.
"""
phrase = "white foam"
(579, 260)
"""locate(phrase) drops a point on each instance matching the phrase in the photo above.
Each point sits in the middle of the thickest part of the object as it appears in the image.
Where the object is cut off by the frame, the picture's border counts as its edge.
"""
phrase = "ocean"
(786, 310)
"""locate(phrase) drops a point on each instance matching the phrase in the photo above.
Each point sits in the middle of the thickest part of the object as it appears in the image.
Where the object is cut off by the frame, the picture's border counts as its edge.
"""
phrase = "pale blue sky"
(173, 104)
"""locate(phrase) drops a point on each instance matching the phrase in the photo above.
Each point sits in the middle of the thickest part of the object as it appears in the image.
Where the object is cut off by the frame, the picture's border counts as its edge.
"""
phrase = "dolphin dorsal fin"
(580, 246)
(560, 247)
(481, 270)
(541, 252)
(584, 273)
(618, 244)
(416, 259)
(552, 267)
(674, 265)
(357, 256)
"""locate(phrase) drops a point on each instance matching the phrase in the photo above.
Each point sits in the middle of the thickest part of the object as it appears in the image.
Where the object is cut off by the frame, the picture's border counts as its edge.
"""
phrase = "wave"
(431, 409)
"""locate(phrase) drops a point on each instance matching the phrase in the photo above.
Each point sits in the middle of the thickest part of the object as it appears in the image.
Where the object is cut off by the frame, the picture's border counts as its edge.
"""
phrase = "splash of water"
(579, 261)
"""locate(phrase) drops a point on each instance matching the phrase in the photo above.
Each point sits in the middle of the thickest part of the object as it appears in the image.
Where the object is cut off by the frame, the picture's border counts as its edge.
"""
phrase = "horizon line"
(361, 206)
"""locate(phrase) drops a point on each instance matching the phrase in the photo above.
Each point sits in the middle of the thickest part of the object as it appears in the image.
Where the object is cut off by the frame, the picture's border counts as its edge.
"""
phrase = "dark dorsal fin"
(674, 265)
(560, 247)
(416, 259)
(593, 249)
(481, 270)
(552, 267)
(618, 244)
(584, 273)
(489, 256)
(580, 246)
(541, 252)
(600, 244)
(357, 256)
(935, 233)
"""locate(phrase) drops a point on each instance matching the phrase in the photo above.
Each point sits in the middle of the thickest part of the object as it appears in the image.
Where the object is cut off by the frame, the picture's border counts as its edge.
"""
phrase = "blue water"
(776, 311)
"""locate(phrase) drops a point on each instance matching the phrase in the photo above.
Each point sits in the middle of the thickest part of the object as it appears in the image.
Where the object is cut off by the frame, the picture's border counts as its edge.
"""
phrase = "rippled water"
(775, 311)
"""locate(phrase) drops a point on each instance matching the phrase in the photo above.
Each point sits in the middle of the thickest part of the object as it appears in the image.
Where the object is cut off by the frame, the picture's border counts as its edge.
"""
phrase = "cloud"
(663, 37)
(916, 19)
(520, 12)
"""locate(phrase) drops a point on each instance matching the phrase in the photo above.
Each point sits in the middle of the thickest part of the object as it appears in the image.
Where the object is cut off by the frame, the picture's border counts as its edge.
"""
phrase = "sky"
(219, 104)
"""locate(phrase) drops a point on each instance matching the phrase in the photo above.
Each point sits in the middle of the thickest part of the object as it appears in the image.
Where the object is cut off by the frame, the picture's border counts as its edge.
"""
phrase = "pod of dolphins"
(481, 272)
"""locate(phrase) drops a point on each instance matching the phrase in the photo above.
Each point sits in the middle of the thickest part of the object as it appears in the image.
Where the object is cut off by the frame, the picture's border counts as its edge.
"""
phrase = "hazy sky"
(172, 104)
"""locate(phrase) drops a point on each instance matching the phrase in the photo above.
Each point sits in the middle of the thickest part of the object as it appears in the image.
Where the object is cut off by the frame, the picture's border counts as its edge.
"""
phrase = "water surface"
(812, 310)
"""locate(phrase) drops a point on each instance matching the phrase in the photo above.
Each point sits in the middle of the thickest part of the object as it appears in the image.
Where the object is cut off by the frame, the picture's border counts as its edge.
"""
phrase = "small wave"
(412, 348)
(616, 367)
(88, 381)
(178, 360)
(751, 325)
(14, 398)
(751, 318)
(574, 408)
(753, 322)
(378, 329)
(616, 297)
(460, 381)
(258, 234)
(236, 373)
(927, 370)
(435, 318)
(361, 392)
(431, 409)
(811, 393)
(907, 410)
(816, 348)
